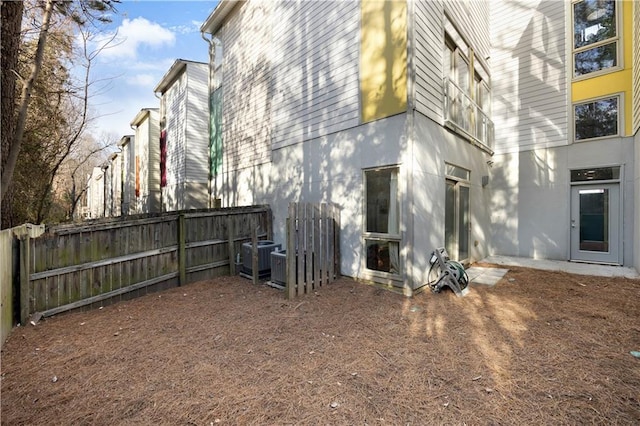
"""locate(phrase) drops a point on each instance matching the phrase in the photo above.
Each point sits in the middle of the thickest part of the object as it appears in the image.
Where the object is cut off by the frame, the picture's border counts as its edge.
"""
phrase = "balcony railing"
(464, 115)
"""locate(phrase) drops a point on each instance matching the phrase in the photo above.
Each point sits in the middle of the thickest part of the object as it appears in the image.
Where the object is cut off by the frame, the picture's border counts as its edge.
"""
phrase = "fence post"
(232, 246)
(254, 252)
(182, 251)
(25, 269)
(291, 252)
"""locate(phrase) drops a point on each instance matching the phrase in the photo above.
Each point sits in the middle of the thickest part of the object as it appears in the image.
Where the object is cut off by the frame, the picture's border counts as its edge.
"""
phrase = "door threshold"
(593, 262)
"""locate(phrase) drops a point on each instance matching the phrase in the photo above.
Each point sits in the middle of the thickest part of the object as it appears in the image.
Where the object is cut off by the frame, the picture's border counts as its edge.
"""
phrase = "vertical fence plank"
(300, 248)
(317, 257)
(331, 243)
(291, 255)
(336, 241)
(182, 253)
(25, 269)
(254, 253)
(231, 235)
(308, 247)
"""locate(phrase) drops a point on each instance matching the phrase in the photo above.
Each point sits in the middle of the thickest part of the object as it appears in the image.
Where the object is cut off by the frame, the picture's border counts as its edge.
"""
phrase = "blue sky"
(151, 35)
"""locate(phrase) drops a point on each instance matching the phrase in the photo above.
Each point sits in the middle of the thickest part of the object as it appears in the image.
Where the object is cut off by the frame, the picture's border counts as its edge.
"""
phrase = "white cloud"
(133, 34)
(192, 27)
(144, 80)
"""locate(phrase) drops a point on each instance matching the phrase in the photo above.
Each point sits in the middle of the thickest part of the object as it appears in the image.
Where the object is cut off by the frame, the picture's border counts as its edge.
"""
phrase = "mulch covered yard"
(538, 348)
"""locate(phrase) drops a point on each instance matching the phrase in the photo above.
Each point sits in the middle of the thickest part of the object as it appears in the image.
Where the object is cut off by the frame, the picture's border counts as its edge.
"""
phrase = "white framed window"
(467, 89)
(382, 220)
(457, 223)
(596, 37)
(597, 118)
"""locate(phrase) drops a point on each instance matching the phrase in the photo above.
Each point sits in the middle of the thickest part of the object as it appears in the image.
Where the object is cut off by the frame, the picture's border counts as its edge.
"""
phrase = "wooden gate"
(313, 247)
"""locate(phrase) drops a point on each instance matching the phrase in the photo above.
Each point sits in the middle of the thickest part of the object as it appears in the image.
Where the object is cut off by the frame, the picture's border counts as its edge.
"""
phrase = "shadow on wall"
(529, 200)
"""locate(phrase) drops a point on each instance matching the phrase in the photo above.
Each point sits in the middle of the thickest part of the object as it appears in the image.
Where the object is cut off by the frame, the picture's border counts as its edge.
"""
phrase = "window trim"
(365, 235)
(616, 39)
(620, 121)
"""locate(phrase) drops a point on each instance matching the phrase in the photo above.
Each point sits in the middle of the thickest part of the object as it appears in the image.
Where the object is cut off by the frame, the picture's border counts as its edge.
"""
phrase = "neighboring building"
(128, 172)
(111, 170)
(565, 174)
(468, 125)
(183, 139)
(107, 187)
(116, 183)
(147, 161)
(95, 194)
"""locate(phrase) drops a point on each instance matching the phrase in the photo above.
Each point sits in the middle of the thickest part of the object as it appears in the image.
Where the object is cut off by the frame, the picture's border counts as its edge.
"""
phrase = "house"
(147, 160)
(116, 183)
(184, 136)
(128, 170)
(95, 194)
(484, 127)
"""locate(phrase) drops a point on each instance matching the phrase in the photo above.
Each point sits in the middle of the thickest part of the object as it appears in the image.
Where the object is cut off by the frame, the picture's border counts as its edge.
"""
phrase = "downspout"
(409, 236)
(161, 125)
(213, 179)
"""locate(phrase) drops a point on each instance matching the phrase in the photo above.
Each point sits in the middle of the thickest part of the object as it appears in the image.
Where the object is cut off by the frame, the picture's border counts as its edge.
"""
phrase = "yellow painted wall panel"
(383, 58)
(614, 82)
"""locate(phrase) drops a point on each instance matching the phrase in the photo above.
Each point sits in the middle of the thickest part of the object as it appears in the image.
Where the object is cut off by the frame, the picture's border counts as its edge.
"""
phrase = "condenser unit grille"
(265, 247)
(279, 267)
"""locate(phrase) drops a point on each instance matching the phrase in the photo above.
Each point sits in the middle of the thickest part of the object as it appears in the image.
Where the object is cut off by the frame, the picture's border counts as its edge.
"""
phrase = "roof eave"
(215, 20)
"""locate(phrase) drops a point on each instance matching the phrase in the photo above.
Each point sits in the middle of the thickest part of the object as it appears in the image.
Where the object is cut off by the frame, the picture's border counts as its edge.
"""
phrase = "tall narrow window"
(595, 36)
(457, 222)
(382, 239)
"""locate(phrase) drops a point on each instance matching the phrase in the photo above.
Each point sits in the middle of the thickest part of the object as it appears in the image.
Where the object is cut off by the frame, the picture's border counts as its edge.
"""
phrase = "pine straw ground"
(537, 348)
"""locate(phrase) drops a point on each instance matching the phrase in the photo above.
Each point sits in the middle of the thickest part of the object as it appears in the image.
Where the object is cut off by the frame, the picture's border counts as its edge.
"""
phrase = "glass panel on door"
(594, 219)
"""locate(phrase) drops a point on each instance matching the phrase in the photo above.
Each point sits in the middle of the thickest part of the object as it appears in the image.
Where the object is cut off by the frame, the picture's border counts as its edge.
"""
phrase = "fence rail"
(313, 247)
(74, 266)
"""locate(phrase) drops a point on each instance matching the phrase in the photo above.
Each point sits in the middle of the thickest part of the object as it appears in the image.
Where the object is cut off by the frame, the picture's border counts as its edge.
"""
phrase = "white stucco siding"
(247, 99)
(529, 80)
(197, 124)
(315, 69)
(428, 58)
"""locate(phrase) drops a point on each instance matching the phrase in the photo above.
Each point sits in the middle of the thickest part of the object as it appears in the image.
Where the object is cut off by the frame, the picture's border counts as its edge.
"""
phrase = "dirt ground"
(538, 348)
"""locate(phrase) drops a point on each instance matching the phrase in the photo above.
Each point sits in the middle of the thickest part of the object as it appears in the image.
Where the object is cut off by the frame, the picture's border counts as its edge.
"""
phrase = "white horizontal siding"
(472, 19)
(529, 80)
(429, 41)
(197, 117)
(246, 122)
(174, 99)
(315, 69)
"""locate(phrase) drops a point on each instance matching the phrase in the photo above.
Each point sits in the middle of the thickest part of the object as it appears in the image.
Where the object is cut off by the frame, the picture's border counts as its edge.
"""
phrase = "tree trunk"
(25, 97)
(11, 12)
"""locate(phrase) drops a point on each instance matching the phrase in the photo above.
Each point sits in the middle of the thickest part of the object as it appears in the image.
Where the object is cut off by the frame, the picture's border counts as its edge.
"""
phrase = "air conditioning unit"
(265, 247)
(279, 267)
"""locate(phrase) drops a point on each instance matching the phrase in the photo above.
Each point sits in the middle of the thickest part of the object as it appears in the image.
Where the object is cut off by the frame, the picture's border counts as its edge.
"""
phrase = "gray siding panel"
(246, 123)
(315, 70)
(197, 131)
(529, 63)
(428, 58)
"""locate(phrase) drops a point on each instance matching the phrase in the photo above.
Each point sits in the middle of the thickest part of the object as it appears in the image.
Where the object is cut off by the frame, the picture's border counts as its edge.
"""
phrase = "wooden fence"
(9, 277)
(73, 266)
(313, 247)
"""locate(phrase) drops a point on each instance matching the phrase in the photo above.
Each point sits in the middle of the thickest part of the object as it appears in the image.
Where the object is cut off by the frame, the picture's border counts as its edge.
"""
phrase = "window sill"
(595, 74)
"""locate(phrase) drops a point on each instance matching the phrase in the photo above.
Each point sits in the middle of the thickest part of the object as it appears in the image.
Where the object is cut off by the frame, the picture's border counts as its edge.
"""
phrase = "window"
(382, 236)
(596, 119)
(466, 88)
(595, 36)
(457, 221)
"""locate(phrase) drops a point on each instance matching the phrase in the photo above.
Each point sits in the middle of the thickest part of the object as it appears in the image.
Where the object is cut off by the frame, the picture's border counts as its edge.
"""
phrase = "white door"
(595, 223)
